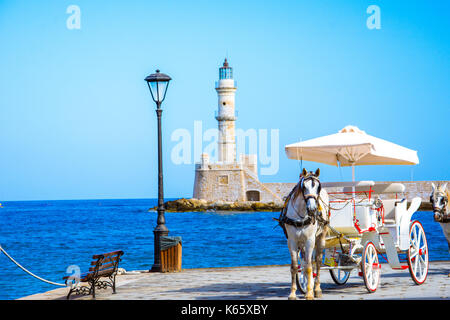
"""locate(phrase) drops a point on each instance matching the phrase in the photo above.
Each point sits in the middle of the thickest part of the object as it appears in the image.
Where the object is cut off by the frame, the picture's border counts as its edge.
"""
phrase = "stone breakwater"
(198, 205)
(420, 189)
(193, 205)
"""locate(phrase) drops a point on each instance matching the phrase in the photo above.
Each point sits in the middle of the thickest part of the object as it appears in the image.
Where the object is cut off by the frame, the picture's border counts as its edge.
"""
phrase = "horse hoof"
(318, 294)
(309, 297)
(292, 297)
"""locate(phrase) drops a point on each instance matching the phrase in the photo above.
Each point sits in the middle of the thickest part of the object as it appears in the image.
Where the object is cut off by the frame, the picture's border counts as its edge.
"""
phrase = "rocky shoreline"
(193, 205)
(199, 205)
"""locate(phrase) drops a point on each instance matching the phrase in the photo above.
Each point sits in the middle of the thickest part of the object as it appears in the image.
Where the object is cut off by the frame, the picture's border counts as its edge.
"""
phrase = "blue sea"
(48, 236)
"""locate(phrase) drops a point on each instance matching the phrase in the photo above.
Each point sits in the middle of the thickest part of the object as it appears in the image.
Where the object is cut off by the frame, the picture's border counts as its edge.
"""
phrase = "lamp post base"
(160, 230)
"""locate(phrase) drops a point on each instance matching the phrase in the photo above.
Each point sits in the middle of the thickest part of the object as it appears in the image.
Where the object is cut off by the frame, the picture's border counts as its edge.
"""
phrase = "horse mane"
(296, 191)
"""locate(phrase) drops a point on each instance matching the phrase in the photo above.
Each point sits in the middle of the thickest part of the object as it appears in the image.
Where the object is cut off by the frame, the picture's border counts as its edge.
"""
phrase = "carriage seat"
(393, 208)
(380, 188)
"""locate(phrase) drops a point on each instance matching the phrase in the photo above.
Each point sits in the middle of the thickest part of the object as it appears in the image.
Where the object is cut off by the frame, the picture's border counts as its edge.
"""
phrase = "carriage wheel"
(371, 268)
(339, 276)
(418, 253)
(302, 280)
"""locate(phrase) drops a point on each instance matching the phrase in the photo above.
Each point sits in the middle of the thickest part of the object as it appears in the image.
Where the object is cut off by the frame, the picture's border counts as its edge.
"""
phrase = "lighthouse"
(226, 88)
(230, 178)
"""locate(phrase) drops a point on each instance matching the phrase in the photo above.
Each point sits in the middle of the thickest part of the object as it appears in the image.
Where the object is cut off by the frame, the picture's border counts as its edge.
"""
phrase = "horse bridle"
(444, 198)
(310, 217)
(309, 195)
(441, 211)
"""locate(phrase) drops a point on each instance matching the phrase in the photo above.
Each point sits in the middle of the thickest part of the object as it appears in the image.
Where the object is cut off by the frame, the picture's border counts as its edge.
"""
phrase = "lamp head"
(158, 83)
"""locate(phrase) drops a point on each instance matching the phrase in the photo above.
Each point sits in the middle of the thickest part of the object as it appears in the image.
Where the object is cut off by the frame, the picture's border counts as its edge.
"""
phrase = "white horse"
(441, 209)
(305, 221)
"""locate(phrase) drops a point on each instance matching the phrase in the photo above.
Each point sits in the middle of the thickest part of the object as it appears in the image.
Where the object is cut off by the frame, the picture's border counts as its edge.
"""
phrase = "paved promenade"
(262, 283)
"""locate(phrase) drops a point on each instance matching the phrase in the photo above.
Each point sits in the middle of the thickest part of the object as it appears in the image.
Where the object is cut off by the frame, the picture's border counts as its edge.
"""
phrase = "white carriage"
(368, 221)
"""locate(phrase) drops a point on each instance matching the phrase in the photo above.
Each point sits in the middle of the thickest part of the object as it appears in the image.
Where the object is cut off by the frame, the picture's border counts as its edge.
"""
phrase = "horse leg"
(320, 244)
(309, 248)
(294, 270)
(446, 229)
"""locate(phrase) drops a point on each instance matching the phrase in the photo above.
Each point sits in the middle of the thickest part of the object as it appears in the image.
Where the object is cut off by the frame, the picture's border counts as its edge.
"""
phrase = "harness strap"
(442, 216)
(307, 196)
(297, 223)
(322, 221)
(283, 211)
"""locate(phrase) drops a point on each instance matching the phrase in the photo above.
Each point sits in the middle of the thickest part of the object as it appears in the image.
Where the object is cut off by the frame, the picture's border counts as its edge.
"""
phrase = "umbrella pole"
(353, 179)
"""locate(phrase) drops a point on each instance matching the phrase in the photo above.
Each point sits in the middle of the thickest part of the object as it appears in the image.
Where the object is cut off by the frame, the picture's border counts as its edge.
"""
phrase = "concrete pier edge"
(263, 283)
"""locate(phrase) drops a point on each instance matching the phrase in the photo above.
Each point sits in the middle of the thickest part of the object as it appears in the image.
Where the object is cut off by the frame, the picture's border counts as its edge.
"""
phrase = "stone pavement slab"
(262, 283)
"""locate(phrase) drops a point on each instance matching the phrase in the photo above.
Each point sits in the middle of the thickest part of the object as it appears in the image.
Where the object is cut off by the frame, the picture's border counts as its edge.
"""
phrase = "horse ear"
(304, 172)
(444, 187)
(317, 172)
(433, 187)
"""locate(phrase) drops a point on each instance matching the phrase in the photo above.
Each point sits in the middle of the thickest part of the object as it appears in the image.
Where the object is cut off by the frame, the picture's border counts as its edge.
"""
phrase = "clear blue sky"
(77, 120)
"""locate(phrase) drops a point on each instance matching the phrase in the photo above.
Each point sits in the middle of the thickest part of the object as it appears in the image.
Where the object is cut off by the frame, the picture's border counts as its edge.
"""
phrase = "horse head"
(439, 201)
(310, 187)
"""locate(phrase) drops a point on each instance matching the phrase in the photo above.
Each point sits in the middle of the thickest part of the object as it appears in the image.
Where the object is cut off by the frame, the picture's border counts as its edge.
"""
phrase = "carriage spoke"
(422, 263)
(419, 237)
(417, 267)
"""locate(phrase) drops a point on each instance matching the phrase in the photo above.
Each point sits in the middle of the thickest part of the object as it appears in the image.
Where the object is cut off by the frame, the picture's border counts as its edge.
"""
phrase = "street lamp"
(158, 83)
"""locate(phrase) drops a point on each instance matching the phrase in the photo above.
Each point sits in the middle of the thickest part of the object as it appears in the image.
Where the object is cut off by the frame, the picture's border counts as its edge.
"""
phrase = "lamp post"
(158, 83)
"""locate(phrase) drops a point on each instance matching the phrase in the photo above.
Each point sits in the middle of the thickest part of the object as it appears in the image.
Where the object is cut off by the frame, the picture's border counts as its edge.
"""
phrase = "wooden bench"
(103, 266)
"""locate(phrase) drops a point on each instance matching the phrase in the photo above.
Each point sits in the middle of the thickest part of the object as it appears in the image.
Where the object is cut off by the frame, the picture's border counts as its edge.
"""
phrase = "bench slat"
(106, 260)
(103, 266)
(111, 259)
(105, 255)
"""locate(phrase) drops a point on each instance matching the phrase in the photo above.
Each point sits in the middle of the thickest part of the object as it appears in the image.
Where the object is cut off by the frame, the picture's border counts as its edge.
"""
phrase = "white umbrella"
(351, 147)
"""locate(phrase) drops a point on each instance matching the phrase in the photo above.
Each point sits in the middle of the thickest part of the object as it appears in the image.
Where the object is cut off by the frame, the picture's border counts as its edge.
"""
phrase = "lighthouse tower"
(226, 118)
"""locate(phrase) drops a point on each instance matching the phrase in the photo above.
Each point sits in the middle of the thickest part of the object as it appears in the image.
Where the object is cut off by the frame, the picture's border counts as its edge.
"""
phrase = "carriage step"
(389, 222)
(402, 268)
